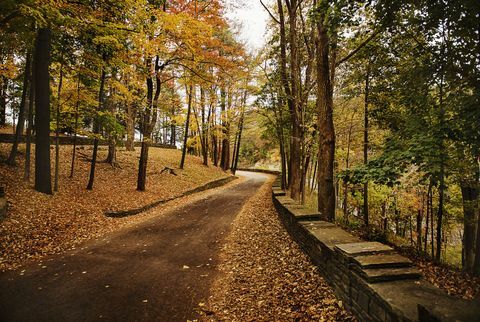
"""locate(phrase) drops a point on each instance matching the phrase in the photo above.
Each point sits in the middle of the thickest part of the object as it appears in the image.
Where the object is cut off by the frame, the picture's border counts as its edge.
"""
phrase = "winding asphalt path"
(159, 270)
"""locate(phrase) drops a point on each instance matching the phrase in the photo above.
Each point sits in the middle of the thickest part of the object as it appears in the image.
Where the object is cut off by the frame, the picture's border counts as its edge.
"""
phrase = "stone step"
(330, 236)
(302, 213)
(284, 200)
(364, 248)
(278, 192)
(376, 275)
(381, 261)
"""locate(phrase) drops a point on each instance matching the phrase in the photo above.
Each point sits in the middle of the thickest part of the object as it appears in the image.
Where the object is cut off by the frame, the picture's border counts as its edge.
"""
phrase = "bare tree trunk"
(130, 143)
(21, 113)
(326, 153)
(96, 129)
(365, 147)
(112, 139)
(427, 218)
(476, 265)
(147, 133)
(225, 155)
(239, 138)
(419, 229)
(75, 129)
(470, 195)
(432, 240)
(3, 101)
(187, 123)
(296, 157)
(43, 180)
(28, 141)
(204, 128)
(173, 134)
(57, 130)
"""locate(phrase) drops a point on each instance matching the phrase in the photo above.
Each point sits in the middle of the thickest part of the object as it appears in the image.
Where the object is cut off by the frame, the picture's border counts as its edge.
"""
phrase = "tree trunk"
(43, 180)
(204, 137)
(427, 218)
(432, 237)
(28, 140)
(146, 130)
(384, 217)
(470, 194)
(21, 114)
(326, 151)
(314, 177)
(130, 143)
(96, 130)
(3, 102)
(365, 147)
(75, 129)
(173, 134)
(293, 179)
(142, 166)
(57, 130)
(225, 154)
(419, 230)
(476, 265)
(187, 123)
(239, 138)
(215, 148)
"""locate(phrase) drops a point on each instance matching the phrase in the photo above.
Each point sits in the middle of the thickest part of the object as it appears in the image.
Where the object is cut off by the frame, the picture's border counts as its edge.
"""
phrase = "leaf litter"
(38, 225)
(265, 276)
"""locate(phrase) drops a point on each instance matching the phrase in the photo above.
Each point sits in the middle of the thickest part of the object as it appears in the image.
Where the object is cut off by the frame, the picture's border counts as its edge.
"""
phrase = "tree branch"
(359, 47)
(271, 15)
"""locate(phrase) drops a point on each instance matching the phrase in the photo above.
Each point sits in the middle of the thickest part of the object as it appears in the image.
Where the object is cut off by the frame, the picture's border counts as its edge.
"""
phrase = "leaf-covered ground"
(448, 278)
(264, 275)
(454, 282)
(38, 225)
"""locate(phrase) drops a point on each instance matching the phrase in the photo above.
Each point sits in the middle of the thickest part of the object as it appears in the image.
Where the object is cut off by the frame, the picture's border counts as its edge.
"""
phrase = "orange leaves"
(265, 276)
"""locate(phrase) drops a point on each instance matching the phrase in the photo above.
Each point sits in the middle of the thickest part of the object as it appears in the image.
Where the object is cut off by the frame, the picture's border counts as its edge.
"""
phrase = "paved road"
(157, 271)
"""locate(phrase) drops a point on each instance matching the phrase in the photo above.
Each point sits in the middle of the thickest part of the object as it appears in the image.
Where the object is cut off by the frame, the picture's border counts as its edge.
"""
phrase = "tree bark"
(112, 140)
(57, 131)
(419, 229)
(130, 143)
(326, 153)
(476, 265)
(470, 195)
(427, 219)
(3, 101)
(21, 114)
(240, 130)
(43, 180)
(187, 123)
(225, 154)
(96, 129)
(173, 134)
(146, 131)
(365, 147)
(75, 129)
(204, 131)
(296, 157)
(28, 140)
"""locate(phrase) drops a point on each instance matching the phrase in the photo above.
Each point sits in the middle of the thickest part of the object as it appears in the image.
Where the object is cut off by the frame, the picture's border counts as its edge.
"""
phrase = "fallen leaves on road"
(264, 275)
(38, 225)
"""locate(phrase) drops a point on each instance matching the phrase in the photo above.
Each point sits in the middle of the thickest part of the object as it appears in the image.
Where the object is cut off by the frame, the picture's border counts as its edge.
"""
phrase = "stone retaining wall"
(374, 282)
(68, 140)
(275, 172)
